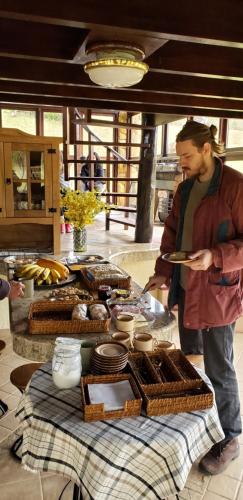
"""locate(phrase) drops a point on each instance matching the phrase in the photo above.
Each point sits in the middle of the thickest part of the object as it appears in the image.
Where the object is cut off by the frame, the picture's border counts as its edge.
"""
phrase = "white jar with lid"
(66, 365)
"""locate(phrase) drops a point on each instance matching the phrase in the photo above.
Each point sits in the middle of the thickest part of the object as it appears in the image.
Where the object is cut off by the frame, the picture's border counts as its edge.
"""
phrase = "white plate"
(111, 349)
(176, 257)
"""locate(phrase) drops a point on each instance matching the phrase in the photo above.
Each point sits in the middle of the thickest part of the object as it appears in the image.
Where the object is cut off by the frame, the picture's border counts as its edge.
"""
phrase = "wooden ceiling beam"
(22, 70)
(135, 97)
(195, 58)
(36, 40)
(113, 106)
(188, 21)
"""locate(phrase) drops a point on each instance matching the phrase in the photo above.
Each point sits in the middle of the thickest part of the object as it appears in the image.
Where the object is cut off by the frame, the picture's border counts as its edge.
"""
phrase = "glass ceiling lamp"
(115, 64)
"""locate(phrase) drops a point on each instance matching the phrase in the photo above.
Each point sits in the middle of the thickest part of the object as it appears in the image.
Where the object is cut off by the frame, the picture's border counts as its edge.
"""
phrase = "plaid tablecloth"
(133, 458)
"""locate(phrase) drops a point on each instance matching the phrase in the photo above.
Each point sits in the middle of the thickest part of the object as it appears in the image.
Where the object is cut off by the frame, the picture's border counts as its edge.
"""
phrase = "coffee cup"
(28, 287)
(144, 342)
(125, 322)
(122, 337)
(166, 344)
(86, 351)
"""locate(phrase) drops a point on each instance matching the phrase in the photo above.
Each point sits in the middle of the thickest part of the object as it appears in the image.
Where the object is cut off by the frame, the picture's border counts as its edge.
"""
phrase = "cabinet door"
(28, 175)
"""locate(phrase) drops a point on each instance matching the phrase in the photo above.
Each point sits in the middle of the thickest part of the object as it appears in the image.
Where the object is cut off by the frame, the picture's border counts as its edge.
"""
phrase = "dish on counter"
(69, 292)
(16, 261)
(111, 349)
(180, 257)
(83, 259)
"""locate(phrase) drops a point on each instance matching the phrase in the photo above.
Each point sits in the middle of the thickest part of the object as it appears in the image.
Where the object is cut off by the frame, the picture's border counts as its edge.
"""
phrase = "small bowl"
(121, 293)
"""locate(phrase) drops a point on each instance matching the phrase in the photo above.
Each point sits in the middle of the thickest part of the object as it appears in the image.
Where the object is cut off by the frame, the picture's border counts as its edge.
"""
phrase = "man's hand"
(154, 282)
(204, 259)
(16, 289)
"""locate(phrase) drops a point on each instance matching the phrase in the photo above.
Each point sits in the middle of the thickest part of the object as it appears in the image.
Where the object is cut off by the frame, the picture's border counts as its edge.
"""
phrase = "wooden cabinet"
(29, 192)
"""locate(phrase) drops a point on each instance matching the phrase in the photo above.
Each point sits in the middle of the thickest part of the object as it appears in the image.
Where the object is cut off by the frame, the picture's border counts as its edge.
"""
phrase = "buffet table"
(132, 458)
(40, 347)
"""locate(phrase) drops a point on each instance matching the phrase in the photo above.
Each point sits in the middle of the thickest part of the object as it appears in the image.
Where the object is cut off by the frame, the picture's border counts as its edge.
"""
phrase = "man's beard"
(202, 170)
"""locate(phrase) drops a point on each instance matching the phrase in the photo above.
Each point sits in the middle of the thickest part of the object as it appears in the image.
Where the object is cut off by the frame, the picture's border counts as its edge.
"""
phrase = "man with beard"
(207, 220)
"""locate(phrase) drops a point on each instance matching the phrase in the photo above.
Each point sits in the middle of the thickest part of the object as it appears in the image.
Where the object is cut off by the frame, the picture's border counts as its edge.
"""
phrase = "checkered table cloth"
(132, 458)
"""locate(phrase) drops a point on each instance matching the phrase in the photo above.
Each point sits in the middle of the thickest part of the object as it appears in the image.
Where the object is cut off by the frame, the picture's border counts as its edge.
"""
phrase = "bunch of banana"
(54, 265)
(44, 272)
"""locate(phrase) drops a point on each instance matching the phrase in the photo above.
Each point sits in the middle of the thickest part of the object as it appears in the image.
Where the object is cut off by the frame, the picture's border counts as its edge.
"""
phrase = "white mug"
(125, 322)
(122, 337)
(165, 344)
(144, 342)
(28, 287)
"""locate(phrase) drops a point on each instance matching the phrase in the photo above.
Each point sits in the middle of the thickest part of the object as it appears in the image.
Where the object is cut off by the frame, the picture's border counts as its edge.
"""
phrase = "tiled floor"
(16, 483)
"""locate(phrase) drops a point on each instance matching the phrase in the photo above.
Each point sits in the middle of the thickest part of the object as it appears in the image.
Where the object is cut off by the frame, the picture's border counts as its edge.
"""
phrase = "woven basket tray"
(179, 392)
(49, 318)
(169, 377)
(174, 403)
(94, 412)
(123, 282)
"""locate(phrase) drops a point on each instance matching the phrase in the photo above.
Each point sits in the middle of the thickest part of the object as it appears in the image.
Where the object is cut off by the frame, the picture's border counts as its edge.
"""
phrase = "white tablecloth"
(133, 458)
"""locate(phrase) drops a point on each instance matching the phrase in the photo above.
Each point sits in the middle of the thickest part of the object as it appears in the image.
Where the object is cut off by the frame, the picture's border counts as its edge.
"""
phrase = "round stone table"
(40, 347)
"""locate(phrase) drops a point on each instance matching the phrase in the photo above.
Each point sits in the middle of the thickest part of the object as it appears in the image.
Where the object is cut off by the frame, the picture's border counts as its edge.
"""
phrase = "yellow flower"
(82, 207)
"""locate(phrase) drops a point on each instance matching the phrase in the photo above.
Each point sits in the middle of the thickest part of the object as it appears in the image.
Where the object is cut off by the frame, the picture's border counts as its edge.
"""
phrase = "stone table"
(40, 347)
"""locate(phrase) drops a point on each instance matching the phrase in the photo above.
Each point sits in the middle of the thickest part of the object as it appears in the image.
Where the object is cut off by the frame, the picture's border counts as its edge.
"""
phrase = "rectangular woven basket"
(169, 383)
(123, 282)
(92, 412)
(49, 318)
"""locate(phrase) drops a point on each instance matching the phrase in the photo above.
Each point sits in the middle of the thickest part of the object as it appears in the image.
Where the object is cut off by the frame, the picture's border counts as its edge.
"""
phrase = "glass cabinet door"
(28, 176)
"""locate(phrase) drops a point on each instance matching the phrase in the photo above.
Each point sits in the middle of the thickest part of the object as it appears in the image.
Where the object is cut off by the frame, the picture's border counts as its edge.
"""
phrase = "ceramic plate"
(111, 349)
(177, 257)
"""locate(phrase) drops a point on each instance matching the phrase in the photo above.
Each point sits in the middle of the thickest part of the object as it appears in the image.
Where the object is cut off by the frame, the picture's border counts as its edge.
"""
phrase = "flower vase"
(79, 239)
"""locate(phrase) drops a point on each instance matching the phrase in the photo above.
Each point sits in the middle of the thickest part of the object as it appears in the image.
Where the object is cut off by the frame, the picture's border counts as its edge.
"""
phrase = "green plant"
(82, 207)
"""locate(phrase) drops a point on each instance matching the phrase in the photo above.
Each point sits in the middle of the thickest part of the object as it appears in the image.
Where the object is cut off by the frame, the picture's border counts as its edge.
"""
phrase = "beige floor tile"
(188, 494)
(224, 485)
(11, 469)
(4, 373)
(196, 481)
(235, 469)
(27, 490)
(12, 401)
(10, 421)
(9, 388)
(240, 493)
(4, 433)
(52, 487)
(211, 496)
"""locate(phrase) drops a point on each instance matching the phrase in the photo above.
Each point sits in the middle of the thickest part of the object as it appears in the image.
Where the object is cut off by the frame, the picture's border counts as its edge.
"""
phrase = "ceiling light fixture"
(115, 64)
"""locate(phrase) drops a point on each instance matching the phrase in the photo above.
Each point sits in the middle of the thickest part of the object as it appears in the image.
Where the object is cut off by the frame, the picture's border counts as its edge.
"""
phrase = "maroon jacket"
(213, 297)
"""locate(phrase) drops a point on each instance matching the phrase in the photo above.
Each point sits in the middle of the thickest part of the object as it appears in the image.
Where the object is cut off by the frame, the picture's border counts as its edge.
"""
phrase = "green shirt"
(198, 191)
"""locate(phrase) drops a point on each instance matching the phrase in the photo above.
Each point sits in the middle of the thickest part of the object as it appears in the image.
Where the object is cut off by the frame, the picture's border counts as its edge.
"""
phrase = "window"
(136, 135)
(20, 119)
(237, 165)
(235, 133)
(209, 120)
(53, 124)
(159, 140)
(173, 129)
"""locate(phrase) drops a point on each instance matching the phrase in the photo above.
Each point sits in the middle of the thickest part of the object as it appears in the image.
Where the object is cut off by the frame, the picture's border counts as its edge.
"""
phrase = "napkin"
(113, 395)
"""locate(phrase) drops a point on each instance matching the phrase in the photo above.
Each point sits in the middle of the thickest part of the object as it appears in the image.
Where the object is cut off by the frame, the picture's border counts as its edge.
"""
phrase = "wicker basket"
(123, 282)
(171, 391)
(94, 412)
(49, 318)
(174, 403)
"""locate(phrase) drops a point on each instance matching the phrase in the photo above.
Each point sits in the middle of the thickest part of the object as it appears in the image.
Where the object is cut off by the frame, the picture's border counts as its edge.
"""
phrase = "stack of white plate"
(109, 357)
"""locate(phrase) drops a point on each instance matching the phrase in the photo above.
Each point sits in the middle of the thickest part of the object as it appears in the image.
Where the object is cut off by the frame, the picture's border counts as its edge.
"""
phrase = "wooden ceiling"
(194, 51)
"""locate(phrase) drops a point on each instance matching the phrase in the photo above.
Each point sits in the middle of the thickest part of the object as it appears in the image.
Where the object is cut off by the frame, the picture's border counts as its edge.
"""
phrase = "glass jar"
(66, 365)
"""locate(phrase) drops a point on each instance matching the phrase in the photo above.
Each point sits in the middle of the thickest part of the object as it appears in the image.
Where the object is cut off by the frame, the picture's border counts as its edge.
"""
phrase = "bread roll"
(98, 311)
(80, 312)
